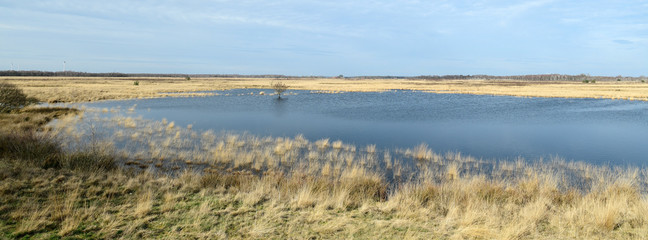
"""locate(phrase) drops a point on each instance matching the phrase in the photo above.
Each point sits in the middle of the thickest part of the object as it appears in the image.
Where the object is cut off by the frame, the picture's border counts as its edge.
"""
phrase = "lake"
(599, 131)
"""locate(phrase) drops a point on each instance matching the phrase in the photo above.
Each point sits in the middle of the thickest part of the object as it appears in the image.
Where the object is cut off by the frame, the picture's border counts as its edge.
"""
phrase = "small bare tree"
(279, 88)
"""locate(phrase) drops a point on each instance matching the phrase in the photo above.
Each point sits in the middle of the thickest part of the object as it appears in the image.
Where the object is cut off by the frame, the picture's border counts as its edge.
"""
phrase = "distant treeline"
(531, 77)
(34, 73)
(59, 74)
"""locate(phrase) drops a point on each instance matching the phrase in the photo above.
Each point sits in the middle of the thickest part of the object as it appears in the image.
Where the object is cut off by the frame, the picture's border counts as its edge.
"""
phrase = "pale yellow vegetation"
(243, 186)
(81, 89)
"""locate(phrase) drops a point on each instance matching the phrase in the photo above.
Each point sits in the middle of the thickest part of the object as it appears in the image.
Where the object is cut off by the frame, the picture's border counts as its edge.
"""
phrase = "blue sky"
(303, 37)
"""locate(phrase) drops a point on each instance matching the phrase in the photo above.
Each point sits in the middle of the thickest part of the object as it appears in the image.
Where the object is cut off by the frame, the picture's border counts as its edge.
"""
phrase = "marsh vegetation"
(229, 185)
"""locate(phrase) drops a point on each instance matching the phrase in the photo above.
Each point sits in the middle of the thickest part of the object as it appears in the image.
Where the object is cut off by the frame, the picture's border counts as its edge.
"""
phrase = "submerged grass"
(177, 183)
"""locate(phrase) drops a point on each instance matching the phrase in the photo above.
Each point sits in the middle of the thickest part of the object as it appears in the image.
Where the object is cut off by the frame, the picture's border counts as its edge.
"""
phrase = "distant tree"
(279, 88)
(13, 98)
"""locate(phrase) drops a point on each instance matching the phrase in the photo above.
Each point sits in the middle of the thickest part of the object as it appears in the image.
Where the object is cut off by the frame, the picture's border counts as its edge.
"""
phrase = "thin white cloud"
(507, 13)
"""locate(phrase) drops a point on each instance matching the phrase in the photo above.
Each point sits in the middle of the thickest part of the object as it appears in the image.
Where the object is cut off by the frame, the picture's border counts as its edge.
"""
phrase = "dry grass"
(81, 89)
(31, 118)
(41, 203)
(240, 186)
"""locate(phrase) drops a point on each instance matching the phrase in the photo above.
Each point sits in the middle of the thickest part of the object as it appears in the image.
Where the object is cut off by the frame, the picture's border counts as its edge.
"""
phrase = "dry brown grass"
(240, 186)
(39, 203)
(81, 89)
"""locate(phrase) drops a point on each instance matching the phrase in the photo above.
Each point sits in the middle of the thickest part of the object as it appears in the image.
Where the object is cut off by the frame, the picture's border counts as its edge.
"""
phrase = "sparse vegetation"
(136, 83)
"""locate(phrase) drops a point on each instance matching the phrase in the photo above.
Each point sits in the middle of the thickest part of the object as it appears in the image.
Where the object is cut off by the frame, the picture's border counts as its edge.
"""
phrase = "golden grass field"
(82, 89)
(85, 176)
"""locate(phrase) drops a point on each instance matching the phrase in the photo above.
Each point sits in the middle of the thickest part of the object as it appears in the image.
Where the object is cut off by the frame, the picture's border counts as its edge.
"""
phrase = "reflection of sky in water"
(593, 130)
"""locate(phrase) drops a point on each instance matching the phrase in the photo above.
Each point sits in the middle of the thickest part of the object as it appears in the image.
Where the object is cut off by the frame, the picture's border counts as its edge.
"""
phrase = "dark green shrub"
(13, 98)
(585, 81)
(136, 83)
(44, 152)
(30, 148)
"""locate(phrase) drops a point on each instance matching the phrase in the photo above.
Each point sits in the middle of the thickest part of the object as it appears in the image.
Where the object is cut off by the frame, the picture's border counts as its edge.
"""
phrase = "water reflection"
(279, 106)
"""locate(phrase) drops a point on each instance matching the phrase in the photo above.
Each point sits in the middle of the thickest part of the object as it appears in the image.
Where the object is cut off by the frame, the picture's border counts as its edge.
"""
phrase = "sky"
(326, 38)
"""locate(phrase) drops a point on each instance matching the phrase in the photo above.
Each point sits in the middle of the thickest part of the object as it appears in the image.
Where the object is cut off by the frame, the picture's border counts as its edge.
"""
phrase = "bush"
(41, 151)
(29, 148)
(187, 78)
(585, 81)
(13, 98)
(279, 88)
(136, 83)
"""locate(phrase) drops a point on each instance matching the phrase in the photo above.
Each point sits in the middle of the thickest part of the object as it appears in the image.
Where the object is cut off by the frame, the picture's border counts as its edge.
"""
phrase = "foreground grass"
(50, 191)
(82, 89)
(52, 203)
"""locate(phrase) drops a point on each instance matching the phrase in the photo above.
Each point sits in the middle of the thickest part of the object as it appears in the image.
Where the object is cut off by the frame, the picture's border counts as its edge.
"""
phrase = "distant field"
(82, 89)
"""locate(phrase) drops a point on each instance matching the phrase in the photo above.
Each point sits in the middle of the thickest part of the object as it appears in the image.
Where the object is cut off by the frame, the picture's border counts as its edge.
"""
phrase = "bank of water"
(599, 131)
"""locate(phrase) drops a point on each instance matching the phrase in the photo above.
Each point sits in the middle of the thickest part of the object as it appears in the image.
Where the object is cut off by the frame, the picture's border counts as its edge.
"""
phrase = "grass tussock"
(176, 183)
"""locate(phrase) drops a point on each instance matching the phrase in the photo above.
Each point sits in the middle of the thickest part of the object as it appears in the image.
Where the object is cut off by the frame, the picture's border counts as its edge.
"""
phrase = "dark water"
(592, 130)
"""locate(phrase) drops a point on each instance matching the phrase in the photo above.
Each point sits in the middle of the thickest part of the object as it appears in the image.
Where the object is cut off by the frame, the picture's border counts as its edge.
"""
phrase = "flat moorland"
(81, 89)
(130, 178)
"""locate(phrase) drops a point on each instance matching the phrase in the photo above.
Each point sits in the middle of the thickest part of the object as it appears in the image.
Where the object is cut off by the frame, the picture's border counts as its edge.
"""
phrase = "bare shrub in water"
(279, 88)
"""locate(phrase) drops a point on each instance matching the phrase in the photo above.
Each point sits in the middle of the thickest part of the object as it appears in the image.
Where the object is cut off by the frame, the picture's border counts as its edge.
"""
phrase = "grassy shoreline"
(304, 189)
(82, 89)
